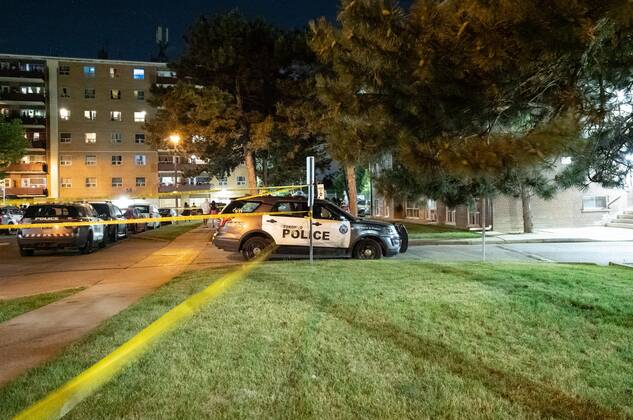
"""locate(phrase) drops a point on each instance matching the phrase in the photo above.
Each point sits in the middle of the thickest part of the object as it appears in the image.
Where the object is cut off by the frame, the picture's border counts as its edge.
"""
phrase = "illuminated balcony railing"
(22, 97)
(39, 167)
(26, 192)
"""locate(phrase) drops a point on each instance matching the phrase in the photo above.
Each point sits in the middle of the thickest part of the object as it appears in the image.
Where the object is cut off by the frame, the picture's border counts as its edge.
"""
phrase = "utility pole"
(310, 182)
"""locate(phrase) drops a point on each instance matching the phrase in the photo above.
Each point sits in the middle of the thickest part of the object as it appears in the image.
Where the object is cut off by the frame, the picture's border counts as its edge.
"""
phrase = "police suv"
(335, 233)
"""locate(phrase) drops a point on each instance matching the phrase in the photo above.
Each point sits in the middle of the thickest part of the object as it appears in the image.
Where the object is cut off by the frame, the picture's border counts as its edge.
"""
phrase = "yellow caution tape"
(173, 194)
(56, 225)
(58, 403)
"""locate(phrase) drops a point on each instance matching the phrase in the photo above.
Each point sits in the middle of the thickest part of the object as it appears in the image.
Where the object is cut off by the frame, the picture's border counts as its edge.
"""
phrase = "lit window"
(64, 70)
(65, 138)
(117, 182)
(91, 182)
(91, 137)
(140, 181)
(64, 114)
(116, 138)
(115, 116)
(67, 183)
(139, 95)
(595, 203)
(89, 71)
(91, 160)
(114, 73)
(139, 74)
(241, 180)
(90, 115)
(65, 160)
(115, 94)
(64, 93)
(89, 93)
(139, 138)
(36, 135)
(566, 160)
(117, 160)
(140, 160)
(139, 116)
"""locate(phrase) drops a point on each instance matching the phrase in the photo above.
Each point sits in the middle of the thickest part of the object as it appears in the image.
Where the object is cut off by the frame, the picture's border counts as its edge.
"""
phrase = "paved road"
(586, 252)
(53, 271)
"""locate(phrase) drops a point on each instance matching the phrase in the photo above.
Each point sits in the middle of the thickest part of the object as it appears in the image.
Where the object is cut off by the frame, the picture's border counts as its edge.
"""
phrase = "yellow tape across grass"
(58, 403)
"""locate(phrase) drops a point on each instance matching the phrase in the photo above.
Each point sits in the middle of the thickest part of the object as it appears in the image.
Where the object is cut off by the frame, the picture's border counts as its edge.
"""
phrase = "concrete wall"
(564, 210)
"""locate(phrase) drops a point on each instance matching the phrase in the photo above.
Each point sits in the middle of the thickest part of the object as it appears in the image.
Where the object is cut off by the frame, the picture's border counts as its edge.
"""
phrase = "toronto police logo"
(343, 229)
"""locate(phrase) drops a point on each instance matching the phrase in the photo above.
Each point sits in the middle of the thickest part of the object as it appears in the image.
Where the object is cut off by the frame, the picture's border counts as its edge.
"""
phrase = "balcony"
(27, 120)
(169, 167)
(22, 74)
(37, 144)
(22, 97)
(27, 192)
(33, 168)
(161, 80)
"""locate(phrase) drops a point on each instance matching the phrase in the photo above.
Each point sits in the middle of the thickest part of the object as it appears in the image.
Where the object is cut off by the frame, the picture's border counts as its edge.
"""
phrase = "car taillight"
(224, 220)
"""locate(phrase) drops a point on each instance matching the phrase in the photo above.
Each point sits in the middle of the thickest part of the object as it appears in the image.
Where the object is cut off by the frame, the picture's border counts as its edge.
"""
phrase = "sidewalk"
(555, 235)
(32, 338)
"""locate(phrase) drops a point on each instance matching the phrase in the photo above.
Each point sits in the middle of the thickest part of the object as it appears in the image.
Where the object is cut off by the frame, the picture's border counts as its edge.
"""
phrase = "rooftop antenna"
(162, 41)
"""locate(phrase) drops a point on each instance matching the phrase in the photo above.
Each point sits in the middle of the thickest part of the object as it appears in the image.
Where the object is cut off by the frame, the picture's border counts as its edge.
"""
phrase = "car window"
(292, 207)
(323, 212)
(102, 209)
(242, 206)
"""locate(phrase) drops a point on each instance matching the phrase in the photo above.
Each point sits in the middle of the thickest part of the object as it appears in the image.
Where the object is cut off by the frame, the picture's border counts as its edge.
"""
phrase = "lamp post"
(174, 139)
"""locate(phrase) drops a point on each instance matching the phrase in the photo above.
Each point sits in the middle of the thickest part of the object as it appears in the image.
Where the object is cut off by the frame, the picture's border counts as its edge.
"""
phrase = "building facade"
(593, 206)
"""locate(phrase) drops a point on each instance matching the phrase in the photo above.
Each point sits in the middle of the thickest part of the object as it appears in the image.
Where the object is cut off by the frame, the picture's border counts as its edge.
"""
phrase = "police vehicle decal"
(295, 231)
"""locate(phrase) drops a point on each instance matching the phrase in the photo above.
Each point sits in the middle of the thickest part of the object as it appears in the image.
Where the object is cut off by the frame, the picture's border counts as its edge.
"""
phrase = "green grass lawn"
(169, 232)
(384, 339)
(418, 231)
(14, 307)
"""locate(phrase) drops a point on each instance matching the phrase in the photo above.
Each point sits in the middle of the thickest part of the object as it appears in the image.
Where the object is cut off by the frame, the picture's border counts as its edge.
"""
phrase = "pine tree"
(361, 56)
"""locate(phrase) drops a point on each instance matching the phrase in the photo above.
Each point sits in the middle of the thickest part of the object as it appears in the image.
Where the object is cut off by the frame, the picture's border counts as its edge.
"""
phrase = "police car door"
(330, 230)
(291, 229)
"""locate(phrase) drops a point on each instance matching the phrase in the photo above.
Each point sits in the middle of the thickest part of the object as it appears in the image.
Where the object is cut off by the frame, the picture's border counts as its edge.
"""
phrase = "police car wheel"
(368, 249)
(255, 246)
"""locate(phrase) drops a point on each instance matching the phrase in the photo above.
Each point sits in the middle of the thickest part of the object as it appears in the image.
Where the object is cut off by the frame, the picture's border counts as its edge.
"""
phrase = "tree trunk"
(251, 174)
(528, 224)
(350, 173)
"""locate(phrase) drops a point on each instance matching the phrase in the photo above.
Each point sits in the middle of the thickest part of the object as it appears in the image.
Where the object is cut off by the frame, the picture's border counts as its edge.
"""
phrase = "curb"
(629, 266)
(492, 241)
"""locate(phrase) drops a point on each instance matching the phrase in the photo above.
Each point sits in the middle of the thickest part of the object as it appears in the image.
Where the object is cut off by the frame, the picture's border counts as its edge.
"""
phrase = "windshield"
(340, 211)
(142, 209)
(41, 212)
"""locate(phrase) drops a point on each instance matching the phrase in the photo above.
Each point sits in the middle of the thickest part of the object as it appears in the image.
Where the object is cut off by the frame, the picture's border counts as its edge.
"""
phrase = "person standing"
(206, 209)
(186, 211)
(213, 209)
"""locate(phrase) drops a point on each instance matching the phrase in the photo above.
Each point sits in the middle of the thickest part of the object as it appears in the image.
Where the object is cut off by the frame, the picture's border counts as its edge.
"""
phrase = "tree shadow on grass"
(548, 401)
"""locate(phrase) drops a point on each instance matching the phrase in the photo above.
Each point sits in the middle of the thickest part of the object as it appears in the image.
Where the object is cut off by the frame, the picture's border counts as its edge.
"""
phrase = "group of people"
(206, 207)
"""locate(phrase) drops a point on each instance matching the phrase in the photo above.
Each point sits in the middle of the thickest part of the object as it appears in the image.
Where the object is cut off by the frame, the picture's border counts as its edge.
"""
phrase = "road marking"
(4, 243)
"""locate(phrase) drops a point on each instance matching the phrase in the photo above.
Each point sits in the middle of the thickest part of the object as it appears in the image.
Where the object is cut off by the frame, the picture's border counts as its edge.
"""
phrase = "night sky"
(126, 28)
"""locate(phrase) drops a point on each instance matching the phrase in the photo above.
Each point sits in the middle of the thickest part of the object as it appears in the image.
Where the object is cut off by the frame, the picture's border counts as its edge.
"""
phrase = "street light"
(175, 141)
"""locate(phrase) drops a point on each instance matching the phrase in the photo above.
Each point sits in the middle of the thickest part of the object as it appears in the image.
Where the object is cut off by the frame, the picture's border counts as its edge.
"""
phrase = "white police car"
(335, 233)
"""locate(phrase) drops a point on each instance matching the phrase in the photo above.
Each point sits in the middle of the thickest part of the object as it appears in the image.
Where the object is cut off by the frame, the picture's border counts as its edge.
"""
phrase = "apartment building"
(84, 119)
(23, 96)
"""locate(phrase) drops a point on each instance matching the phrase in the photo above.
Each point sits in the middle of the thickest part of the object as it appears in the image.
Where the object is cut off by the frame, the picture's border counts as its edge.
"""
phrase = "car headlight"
(390, 230)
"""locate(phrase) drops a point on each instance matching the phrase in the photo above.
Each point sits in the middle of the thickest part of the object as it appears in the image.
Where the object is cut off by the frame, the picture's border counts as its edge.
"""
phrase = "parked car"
(166, 212)
(149, 211)
(108, 211)
(10, 215)
(335, 232)
(363, 208)
(82, 238)
(134, 213)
